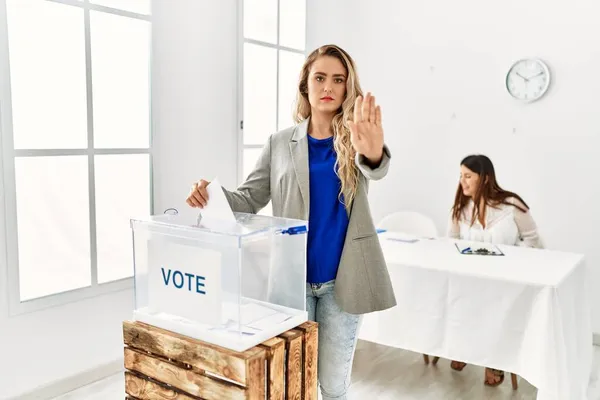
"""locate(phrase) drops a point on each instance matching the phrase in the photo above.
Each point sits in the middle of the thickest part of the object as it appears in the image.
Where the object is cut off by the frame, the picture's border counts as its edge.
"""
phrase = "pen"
(465, 250)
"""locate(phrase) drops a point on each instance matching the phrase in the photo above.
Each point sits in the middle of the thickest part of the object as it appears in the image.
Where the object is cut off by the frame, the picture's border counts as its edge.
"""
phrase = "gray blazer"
(281, 175)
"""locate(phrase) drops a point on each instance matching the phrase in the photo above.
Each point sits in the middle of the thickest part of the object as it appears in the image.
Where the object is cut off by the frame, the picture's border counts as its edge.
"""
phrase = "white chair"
(410, 222)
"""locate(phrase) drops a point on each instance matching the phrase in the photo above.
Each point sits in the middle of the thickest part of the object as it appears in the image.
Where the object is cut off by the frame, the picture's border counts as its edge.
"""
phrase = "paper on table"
(217, 208)
(400, 237)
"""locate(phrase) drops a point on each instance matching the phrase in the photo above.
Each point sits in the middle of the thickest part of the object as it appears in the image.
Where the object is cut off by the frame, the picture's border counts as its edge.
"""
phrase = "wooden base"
(164, 365)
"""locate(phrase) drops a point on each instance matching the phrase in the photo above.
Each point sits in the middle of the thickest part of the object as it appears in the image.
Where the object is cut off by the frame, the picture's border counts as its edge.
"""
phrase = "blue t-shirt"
(328, 219)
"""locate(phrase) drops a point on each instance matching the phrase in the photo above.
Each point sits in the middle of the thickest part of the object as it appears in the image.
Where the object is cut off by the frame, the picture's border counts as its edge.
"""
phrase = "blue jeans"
(337, 339)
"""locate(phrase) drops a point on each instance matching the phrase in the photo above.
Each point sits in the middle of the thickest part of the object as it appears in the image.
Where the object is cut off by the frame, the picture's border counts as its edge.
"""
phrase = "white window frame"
(241, 41)
(7, 173)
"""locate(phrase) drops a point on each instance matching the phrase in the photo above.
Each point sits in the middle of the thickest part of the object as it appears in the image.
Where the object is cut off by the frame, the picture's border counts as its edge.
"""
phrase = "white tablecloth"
(526, 312)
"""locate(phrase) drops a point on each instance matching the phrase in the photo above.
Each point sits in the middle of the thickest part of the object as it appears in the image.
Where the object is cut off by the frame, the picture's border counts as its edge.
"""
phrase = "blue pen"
(465, 250)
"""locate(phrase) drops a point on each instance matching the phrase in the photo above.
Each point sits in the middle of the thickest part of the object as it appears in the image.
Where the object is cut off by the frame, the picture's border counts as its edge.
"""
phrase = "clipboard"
(480, 250)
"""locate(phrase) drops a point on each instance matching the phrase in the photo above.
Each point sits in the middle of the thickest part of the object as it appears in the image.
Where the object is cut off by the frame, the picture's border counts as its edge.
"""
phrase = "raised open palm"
(366, 132)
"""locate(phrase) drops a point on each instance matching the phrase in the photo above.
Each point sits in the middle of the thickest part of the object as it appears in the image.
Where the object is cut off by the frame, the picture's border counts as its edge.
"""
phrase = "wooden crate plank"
(256, 388)
(310, 352)
(186, 380)
(203, 356)
(144, 389)
(308, 326)
(275, 348)
(293, 373)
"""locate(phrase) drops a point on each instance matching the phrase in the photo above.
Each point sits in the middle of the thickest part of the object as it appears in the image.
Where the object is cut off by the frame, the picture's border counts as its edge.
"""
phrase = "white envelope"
(217, 211)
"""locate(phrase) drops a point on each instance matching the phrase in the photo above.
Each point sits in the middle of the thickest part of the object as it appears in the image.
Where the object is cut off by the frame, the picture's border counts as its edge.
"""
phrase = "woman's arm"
(374, 172)
(453, 230)
(527, 227)
(254, 194)
(528, 230)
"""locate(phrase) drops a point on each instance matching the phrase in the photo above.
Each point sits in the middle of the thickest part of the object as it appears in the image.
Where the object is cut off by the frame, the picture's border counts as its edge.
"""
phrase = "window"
(273, 52)
(75, 132)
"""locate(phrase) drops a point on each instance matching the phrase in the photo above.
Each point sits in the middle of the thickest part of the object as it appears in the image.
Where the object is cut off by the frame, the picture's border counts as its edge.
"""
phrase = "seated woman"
(484, 212)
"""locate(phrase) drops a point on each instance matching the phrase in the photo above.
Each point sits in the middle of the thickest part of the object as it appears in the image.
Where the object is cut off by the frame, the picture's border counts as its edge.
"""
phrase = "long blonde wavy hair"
(345, 166)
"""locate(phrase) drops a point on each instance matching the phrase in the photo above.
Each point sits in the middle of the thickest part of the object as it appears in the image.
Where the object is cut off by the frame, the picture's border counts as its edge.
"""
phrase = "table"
(526, 312)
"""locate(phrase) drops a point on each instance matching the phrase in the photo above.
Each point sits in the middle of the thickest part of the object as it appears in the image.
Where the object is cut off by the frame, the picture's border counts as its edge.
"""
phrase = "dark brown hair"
(488, 189)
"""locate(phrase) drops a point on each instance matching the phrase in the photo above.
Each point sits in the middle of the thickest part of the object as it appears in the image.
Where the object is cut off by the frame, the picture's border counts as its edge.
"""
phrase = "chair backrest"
(410, 222)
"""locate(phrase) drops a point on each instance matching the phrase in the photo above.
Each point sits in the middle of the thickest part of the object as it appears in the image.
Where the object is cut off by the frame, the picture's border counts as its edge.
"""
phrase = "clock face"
(528, 79)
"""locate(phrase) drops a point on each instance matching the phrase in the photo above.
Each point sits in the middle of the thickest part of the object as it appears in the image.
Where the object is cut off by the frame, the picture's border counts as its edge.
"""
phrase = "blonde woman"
(318, 171)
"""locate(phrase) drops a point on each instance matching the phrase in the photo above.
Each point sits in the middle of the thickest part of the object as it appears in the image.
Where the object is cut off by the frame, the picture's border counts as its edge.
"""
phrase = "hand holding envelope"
(209, 197)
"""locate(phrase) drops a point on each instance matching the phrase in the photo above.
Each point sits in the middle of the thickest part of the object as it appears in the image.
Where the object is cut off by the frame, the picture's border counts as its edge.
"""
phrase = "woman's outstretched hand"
(366, 132)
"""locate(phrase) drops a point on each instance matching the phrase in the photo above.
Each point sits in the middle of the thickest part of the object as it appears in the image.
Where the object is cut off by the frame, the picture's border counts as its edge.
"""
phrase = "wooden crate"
(164, 365)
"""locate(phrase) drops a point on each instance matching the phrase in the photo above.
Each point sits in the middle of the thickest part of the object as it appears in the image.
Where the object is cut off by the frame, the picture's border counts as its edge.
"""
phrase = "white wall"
(194, 90)
(438, 70)
(194, 129)
(41, 348)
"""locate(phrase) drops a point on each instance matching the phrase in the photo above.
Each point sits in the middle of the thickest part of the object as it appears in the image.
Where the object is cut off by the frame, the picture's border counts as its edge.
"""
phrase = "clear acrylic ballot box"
(233, 284)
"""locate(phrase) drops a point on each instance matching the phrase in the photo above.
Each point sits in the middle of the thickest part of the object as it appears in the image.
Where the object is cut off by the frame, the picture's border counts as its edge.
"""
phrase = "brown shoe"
(458, 365)
(493, 377)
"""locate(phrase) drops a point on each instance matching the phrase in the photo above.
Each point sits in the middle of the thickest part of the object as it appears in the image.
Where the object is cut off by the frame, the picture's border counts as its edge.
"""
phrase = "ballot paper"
(217, 212)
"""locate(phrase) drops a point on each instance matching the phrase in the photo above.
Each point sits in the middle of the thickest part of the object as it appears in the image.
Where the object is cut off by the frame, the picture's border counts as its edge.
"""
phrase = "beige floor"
(383, 373)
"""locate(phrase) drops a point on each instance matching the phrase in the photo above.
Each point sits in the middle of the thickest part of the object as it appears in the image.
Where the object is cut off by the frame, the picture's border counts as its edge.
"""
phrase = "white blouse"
(504, 224)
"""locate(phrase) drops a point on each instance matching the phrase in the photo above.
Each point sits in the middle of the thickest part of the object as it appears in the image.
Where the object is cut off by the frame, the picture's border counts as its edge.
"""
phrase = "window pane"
(47, 69)
(53, 224)
(290, 65)
(260, 90)
(122, 192)
(120, 77)
(136, 6)
(292, 25)
(260, 20)
(250, 158)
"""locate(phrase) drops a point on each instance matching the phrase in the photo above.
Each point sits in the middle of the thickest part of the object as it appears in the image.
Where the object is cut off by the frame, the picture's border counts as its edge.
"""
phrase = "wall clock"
(528, 79)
